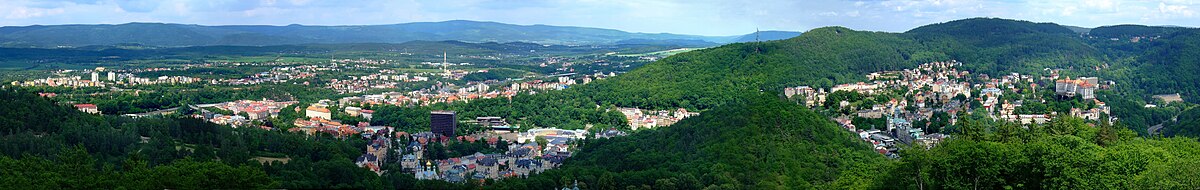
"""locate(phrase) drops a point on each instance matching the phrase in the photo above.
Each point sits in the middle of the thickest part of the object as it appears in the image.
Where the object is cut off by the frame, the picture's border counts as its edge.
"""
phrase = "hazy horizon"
(710, 18)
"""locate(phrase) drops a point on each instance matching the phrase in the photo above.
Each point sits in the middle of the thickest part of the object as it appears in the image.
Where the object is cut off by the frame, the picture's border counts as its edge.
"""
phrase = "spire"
(445, 63)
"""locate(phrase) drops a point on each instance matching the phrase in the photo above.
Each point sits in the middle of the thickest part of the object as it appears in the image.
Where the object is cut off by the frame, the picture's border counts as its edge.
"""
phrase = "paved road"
(1153, 130)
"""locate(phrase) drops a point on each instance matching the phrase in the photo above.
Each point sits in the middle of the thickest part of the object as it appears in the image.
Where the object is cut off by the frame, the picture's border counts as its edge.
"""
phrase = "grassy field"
(269, 160)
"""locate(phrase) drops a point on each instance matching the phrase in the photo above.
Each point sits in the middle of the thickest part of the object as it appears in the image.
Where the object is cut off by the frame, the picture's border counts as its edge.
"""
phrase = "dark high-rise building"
(443, 122)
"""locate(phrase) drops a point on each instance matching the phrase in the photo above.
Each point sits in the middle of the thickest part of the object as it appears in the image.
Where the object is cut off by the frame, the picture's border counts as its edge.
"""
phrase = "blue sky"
(702, 17)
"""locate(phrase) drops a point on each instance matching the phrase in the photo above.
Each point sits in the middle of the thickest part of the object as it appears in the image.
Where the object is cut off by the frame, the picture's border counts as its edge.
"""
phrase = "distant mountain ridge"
(32, 57)
(176, 35)
(767, 36)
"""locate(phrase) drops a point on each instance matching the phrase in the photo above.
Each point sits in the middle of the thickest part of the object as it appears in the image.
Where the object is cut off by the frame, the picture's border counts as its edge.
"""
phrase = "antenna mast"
(757, 42)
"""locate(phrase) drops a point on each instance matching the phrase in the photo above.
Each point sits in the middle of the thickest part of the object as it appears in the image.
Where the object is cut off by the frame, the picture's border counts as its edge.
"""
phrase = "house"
(353, 111)
(258, 113)
(409, 162)
(367, 114)
(318, 112)
(88, 108)
(871, 113)
(861, 87)
(799, 90)
(1028, 119)
(994, 92)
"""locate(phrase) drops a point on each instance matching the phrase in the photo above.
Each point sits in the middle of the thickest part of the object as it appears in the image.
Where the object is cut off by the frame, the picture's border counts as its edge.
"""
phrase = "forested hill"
(163, 34)
(999, 46)
(826, 56)
(1154, 59)
(763, 143)
(1169, 64)
(710, 77)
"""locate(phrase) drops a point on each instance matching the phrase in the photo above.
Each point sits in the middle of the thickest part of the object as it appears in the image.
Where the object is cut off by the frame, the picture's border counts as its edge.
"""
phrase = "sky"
(698, 17)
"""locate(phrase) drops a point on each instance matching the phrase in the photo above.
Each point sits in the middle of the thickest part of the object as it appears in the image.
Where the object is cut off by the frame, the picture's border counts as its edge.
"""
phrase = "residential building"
(318, 112)
(88, 108)
(1071, 88)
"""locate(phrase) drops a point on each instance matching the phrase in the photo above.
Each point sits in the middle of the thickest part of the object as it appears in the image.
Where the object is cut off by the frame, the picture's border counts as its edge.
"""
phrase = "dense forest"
(560, 109)
(1063, 154)
(45, 145)
(1186, 124)
(763, 143)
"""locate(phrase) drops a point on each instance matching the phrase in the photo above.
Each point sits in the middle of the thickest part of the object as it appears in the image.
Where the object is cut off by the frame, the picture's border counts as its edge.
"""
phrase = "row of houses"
(646, 119)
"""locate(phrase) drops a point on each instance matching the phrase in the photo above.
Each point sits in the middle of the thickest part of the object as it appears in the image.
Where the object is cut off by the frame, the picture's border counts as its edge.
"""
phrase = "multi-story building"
(318, 112)
(443, 122)
(1082, 87)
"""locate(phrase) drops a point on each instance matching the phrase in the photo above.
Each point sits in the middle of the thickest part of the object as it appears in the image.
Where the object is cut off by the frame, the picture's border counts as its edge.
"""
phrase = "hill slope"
(1171, 65)
(832, 55)
(999, 46)
(158, 34)
(764, 143)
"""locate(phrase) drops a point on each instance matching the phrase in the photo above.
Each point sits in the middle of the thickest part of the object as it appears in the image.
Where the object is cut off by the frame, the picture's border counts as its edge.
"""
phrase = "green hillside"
(711, 77)
(999, 46)
(832, 55)
(1172, 65)
(1064, 154)
(763, 143)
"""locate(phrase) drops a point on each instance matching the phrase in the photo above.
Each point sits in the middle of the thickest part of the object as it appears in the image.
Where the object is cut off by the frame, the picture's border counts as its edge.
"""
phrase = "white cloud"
(1068, 11)
(28, 12)
(1174, 10)
(1106, 5)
